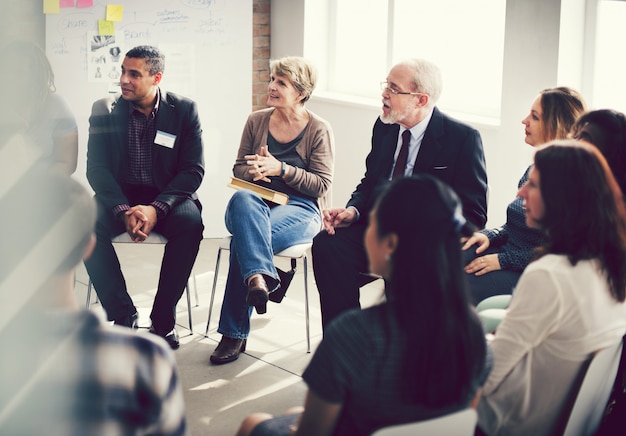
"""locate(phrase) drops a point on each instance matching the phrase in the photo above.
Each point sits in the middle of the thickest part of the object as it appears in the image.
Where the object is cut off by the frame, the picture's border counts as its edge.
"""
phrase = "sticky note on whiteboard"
(106, 27)
(51, 7)
(114, 12)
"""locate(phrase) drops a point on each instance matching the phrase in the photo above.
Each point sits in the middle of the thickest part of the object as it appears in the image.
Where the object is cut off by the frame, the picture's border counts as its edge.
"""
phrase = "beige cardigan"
(317, 150)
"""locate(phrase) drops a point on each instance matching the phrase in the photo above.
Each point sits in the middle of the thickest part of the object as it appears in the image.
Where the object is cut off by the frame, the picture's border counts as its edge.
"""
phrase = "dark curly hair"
(155, 59)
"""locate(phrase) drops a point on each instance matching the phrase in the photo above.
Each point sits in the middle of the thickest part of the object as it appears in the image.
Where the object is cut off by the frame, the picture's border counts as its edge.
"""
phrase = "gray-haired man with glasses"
(433, 143)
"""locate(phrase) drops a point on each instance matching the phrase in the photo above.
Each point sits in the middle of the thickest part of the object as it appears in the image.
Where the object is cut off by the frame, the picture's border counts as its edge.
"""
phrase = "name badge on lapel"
(165, 139)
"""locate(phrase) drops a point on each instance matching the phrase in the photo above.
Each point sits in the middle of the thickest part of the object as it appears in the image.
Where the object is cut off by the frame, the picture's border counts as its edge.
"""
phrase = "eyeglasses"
(385, 87)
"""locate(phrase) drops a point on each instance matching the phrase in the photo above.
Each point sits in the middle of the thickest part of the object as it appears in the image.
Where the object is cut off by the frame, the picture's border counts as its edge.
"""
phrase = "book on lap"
(262, 191)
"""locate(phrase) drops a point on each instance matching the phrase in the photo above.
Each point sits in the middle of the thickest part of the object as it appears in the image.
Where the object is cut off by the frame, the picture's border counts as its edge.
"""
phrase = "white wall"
(530, 64)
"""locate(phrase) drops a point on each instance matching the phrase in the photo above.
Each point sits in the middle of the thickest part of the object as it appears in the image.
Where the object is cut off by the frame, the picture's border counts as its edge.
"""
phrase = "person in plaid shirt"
(65, 371)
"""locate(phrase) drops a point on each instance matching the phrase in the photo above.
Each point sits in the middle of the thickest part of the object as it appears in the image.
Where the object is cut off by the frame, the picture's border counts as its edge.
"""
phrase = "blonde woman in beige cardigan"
(289, 149)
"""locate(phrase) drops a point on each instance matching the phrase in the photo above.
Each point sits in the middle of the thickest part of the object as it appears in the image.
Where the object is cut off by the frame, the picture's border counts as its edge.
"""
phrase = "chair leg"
(195, 290)
(189, 307)
(306, 303)
(89, 285)
(306, 296)
(89, 289)
(217, 267)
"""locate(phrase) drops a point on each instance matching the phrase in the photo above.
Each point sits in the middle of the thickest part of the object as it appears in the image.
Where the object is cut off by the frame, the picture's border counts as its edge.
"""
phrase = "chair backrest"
(594, 392)
(491, 319)
(461, 423)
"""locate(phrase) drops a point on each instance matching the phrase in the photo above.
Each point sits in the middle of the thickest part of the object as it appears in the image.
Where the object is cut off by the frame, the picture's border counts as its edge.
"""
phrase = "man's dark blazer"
(450, 150)
(177, 171)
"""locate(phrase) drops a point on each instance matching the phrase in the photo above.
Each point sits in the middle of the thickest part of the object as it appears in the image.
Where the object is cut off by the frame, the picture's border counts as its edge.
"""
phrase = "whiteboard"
(208, 58)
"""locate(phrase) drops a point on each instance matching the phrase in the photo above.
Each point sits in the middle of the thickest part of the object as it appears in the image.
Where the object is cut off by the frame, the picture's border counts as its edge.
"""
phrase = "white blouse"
(559, 316)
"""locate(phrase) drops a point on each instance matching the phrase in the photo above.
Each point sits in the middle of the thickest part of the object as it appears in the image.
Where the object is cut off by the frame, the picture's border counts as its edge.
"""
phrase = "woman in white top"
(569, 302)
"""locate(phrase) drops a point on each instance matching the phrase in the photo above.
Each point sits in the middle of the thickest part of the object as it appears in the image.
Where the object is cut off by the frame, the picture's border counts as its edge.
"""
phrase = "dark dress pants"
(339, 262)
(183, 228)
(493, 283)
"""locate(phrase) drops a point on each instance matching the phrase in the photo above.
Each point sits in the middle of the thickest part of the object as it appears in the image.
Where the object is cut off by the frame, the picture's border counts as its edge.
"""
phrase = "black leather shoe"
(258, 294)
(228, 350)
(129, 321)
(171, 338)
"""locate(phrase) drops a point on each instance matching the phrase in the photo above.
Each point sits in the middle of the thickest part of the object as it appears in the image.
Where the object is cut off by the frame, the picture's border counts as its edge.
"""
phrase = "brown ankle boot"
(228, 350)
(258, 294)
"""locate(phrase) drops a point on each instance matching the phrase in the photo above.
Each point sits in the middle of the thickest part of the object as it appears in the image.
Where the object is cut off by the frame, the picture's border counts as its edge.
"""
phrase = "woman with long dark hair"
(420, 354)
(569, 303)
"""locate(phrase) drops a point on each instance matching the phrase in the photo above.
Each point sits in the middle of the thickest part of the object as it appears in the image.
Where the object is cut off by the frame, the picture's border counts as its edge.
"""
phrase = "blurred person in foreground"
(63, 370)
(34, 109)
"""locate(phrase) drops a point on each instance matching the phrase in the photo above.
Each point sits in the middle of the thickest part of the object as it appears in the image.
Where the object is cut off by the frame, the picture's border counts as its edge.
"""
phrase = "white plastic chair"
(153, 238)
(294, 252)
(461, 423)
(492, 311)
(594, 392)
(494, 302)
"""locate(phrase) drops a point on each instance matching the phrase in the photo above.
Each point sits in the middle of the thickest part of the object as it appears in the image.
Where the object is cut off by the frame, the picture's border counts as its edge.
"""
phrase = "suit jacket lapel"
(430, 144)
(165, 121)
(390, 142)
(120, 113)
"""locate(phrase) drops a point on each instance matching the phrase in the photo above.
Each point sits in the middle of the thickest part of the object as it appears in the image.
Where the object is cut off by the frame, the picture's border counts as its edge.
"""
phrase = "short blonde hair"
(299, 71)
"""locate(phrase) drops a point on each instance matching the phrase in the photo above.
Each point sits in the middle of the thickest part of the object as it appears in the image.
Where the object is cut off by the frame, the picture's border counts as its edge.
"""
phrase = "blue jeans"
(258, 232)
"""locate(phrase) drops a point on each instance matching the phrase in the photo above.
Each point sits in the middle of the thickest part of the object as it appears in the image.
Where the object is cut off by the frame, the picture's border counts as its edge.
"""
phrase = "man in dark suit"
(145, 163)
(433, 143)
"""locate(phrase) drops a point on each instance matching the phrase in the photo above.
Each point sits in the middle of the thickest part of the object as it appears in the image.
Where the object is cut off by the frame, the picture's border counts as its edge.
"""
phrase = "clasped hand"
(139, 221)
(336, 218)
(263, 165)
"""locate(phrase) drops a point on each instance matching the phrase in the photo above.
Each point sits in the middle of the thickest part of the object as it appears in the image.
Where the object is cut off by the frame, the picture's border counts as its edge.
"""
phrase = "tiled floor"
(267, 377)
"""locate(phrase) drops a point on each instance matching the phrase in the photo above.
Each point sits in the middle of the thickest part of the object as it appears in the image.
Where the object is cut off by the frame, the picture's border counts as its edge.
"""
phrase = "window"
(609, 73)
(465, 39)
(357, 47)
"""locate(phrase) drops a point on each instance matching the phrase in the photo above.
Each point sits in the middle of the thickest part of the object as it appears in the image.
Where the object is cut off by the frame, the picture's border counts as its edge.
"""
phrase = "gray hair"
(426, 78)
